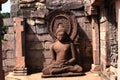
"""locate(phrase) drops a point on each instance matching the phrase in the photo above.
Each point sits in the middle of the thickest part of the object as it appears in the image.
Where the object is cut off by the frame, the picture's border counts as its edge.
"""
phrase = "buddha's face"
(61, 35)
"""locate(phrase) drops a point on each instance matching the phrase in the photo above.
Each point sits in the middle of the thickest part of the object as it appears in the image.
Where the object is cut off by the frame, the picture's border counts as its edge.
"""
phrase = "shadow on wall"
(84, 44)
(37, 49)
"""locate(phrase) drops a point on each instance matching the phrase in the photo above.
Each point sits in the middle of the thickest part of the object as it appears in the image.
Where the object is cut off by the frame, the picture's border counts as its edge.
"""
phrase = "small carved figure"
(63, 55)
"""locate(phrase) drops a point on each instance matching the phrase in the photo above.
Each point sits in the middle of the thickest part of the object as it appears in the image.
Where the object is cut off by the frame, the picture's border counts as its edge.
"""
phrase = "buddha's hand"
(71, 61)
(67, 63)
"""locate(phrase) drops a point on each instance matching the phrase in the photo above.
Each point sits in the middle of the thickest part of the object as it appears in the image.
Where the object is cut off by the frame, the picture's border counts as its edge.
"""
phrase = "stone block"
(5, 68)
(39, 13)
(20, 72)
(41, 30)
(78, 13)
(40, 5)
(3, 63)
(10, 54)
(10, 62)
(10, 30)
(81, 19)
(10, 45)
(4, 45)
(96, 67)
(25, 13)
(40, 21)
(4, 54)
(14, 10)
(47, 54)
(27, 5)
(8, 22)
(26, 1)
(31, 22)
(66, 4)
(10, 68)
(9, 37)
(47, 45)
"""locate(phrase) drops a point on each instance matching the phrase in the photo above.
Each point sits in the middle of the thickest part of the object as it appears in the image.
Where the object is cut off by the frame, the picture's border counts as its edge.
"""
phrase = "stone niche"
(38, 40)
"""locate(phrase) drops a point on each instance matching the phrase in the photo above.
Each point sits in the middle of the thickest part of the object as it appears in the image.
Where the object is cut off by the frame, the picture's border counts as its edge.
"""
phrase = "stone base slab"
(37, 76)
(20, 72)
(63, 75)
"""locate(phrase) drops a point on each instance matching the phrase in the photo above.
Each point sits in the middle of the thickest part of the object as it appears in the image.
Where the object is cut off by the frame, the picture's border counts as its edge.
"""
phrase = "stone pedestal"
(19, 47)
(20, 71)
(95, 67)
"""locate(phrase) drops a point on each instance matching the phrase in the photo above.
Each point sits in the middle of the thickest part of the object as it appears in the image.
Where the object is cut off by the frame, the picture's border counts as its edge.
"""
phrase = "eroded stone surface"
(68, 4)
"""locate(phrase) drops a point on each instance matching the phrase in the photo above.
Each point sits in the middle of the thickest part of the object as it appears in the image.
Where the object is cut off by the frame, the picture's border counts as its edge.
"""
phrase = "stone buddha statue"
(63, 55)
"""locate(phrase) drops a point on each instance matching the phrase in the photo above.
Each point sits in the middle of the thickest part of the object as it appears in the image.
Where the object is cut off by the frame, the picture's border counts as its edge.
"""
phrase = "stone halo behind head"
(64, 17)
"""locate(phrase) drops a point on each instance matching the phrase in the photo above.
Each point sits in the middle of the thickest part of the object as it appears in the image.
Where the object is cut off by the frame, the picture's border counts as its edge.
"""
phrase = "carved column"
(20, 57)
(118, 20)
(92, 11)
(95, 42)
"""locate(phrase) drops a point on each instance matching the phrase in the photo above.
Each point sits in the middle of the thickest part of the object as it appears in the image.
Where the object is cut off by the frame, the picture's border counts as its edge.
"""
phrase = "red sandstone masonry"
(20, 59)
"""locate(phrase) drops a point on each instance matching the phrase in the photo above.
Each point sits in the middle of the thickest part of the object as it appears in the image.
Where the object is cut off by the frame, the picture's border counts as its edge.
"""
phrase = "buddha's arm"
(52, 54)
(72, 60)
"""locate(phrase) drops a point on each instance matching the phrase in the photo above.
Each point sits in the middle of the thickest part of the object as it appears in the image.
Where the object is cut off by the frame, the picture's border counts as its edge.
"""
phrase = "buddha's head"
(60, 32)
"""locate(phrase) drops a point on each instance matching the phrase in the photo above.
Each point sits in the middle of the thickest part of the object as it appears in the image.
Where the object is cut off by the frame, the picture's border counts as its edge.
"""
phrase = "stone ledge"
(37, 76)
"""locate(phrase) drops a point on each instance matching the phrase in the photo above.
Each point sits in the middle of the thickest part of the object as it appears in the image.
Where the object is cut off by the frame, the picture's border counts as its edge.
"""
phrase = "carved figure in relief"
(63, 55)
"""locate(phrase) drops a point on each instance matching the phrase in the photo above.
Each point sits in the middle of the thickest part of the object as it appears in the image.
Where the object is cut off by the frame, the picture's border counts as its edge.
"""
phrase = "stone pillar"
(119, 45)
(1, 24)
(1, 70)
(92, 11)
(20, 57)
(95, 43)
(118, 20)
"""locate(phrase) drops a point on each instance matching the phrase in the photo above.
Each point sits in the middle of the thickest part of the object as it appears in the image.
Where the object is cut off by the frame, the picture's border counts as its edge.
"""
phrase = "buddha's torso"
(62, 51)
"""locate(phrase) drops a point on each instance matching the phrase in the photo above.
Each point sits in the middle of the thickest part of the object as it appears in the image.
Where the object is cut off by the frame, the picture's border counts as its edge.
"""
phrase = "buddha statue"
(63, 55)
